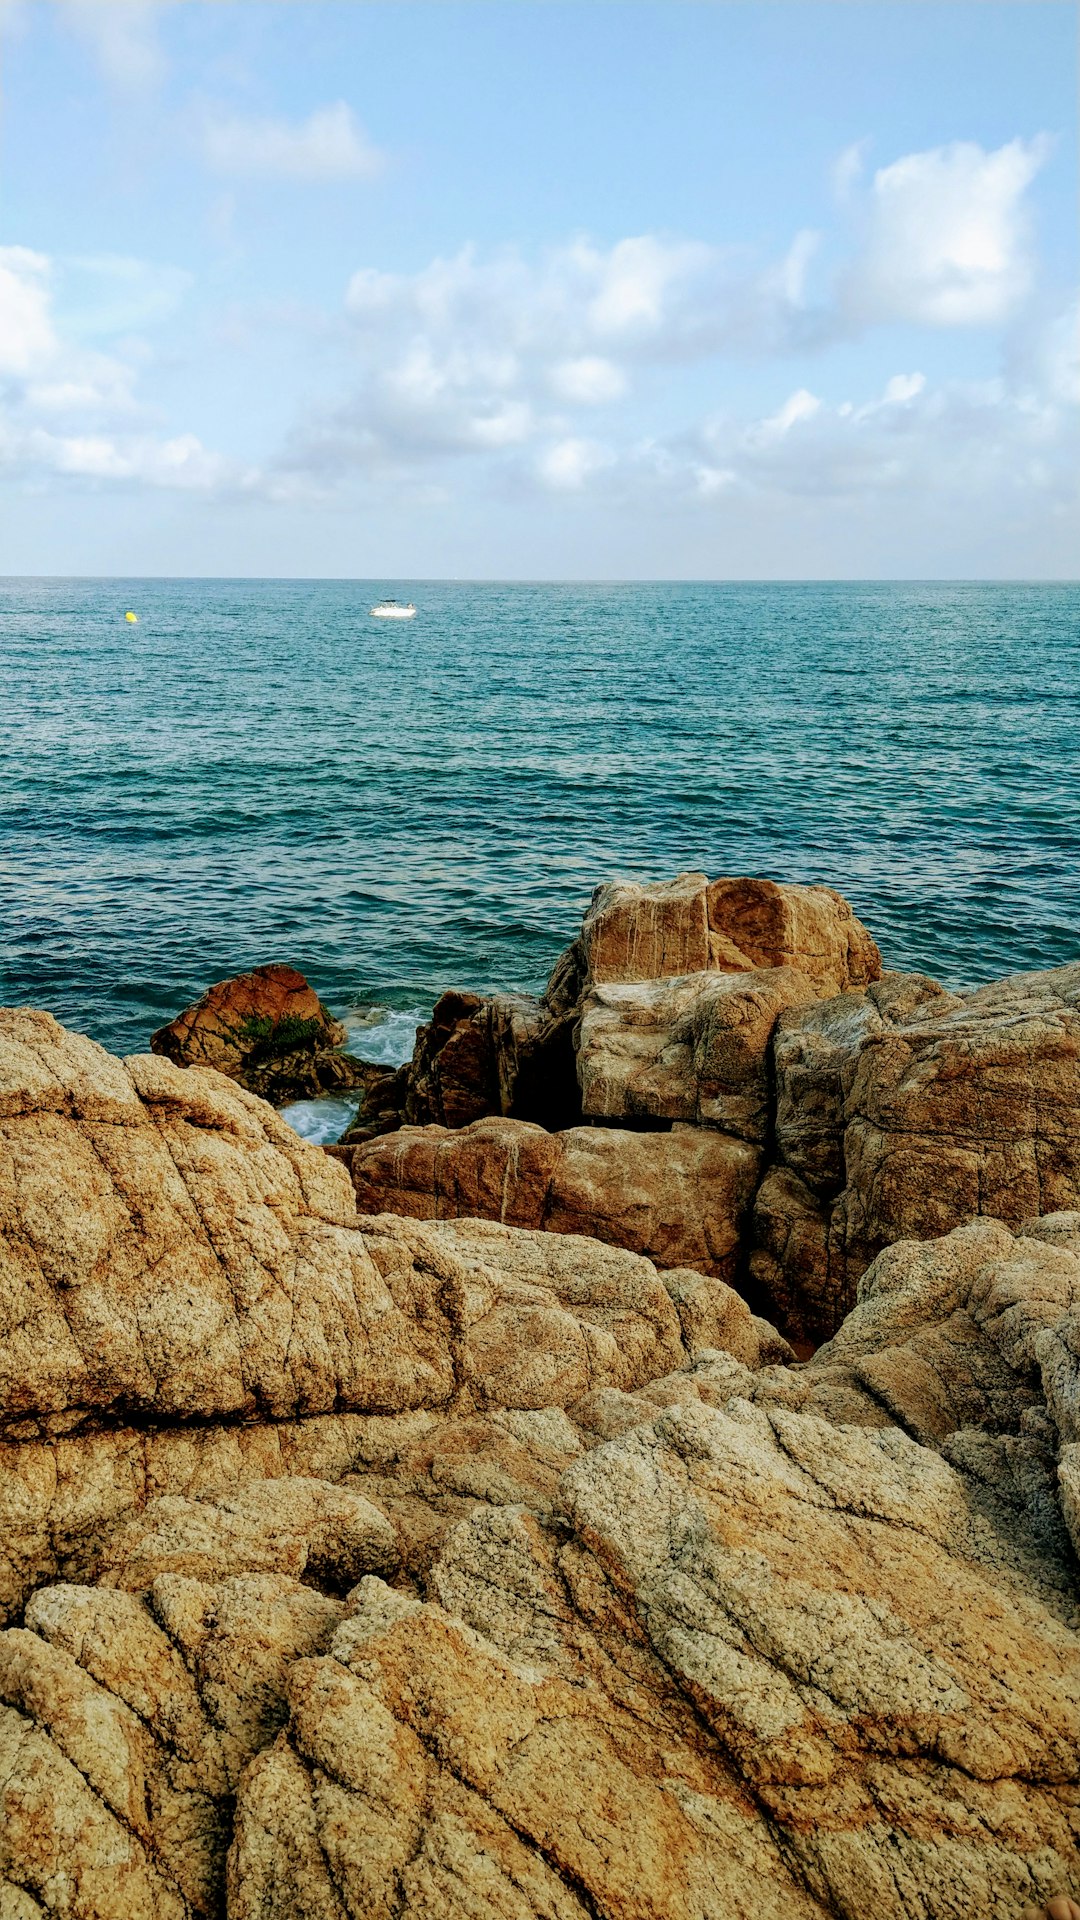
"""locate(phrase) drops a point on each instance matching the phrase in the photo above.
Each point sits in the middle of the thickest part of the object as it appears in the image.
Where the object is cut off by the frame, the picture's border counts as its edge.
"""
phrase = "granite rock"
(760, 1666)
(680, 1197)
(688, 925)
(269, 1030)
(694, 1048)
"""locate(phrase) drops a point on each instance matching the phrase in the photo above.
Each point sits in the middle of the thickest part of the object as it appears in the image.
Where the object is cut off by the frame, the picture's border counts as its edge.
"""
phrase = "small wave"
(320, 1121)
(385, 1034)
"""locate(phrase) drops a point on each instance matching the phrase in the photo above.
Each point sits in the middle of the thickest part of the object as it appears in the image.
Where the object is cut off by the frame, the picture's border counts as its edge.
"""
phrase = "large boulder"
(815, 1051)
(269, 1030)
(509, 1054)
(634, 932)
(901, 1113)
(974, 1109)
(680, 1196)
(675, 1632)
(170, 1247)
(513, 1055)
(692, 1048)
(180, 1273)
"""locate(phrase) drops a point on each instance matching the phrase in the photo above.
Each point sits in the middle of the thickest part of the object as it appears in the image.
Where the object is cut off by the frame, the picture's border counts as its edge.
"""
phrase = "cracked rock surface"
(360, 1566)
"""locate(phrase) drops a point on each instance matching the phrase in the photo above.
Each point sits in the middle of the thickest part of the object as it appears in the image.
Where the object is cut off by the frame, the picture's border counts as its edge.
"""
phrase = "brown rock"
(802, 1279)
(125, 1730)
(510, 1054)
(693, 1048)
(815, 1053)
(427, 1472)
(911, 1110)
(452, 1077)
(633, 932)
(743, 1613)
(679, 1197)
(973, 1110)
(170, 1247)
(688, 925)
(302, 1527)
(269, 1030)
(758, 923)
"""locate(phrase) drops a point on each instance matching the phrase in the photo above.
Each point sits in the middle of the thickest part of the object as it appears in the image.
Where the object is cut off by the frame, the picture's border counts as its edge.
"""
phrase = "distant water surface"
(258, 771)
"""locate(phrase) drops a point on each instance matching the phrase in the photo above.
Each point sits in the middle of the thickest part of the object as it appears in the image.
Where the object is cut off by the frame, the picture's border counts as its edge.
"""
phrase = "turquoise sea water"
(259, 771)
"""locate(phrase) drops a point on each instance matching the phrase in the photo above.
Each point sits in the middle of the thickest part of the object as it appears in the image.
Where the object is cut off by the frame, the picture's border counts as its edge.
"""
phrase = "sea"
(258, 771)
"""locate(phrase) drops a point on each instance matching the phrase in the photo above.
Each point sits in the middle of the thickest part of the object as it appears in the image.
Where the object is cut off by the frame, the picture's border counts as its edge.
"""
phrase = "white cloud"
(588, 381)
(122, 34)
(472, 352)
(801, 405)
(967, 445)
(902, 388)
(566, 466)
(947, 241)
(26, 332)
(639, 281)
(328, 145)
(848, 169)
(72, 413)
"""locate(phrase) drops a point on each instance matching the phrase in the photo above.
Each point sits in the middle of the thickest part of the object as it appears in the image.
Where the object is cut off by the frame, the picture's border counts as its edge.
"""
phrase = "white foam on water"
(320, 1121)
(383, 1034)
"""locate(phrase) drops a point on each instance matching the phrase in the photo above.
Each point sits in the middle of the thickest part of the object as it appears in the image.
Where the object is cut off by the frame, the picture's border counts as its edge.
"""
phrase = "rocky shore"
(442, 1524)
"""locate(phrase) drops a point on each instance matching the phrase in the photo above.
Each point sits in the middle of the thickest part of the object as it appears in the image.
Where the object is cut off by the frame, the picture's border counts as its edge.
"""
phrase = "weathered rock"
(678, 1632)
(687, 925)
(125, 1731)
(760, 923)
(307, 1528)
(428, 1472)
(815, 1052)
(381, 1107)
(901, 1113)
(269, 1030)
(533, 1045)
(803, 1280)
(173, 1257)
(763, 1666)
(633, 932)
(171, 1248)
(679, 1197)
(973, 1110)
(63, 1498)
(692, 1048)
(452, 1076)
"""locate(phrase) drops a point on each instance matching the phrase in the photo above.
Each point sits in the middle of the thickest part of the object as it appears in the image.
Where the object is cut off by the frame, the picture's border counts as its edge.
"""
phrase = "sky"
(521, 289)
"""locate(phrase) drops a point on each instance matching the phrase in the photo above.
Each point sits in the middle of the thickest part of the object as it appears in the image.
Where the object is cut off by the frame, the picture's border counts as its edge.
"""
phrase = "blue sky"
(540, 290)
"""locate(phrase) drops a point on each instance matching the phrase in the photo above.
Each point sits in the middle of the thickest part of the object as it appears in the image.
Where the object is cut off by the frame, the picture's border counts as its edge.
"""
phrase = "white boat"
(393, 610)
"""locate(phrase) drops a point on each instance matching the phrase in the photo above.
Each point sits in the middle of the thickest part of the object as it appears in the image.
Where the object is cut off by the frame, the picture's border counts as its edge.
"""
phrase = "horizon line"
(583, 580)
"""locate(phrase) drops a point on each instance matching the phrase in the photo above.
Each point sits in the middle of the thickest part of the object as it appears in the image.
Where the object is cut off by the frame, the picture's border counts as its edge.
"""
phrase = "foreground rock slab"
(365, 1565)
(763, 1667)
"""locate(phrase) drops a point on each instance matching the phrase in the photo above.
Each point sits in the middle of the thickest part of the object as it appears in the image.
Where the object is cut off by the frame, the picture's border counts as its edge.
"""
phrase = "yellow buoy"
(133, 617)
